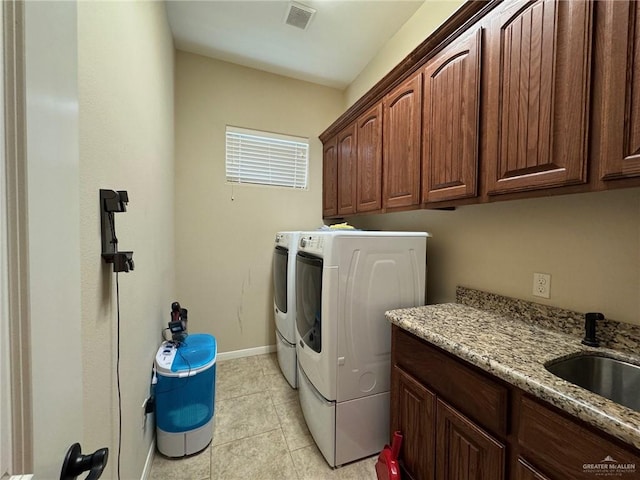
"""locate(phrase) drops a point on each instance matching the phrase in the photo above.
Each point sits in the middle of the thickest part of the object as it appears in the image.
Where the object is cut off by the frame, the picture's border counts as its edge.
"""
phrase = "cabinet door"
(464, 451)
(347, 171)
(413, 412)
(524, 471)
(450, 132)
(369, 164)
(330, 178)
(401, 158)
(619, 127)
(538, 95)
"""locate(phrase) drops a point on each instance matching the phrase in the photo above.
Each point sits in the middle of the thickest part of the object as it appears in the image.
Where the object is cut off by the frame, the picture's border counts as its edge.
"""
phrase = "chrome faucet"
(590, 329)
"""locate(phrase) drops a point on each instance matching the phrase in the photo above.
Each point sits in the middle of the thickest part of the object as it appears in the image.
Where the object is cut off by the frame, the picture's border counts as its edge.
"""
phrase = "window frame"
(278, 173)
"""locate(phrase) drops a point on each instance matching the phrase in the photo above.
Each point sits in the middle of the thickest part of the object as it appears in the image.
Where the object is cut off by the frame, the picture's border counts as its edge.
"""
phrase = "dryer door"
(280, 264)
(309, 300)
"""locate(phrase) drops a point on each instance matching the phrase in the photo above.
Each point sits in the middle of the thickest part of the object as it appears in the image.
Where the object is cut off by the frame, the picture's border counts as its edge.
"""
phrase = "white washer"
(284, 302)
(345, 281)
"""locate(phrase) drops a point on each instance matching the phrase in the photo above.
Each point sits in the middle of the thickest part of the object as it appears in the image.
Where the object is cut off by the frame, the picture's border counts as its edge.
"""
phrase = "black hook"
(112, 202)
(75, 463)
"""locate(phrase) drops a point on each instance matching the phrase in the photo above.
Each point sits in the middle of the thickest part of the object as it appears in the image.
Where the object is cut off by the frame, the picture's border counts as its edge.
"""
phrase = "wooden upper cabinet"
(402, 111)
(464, 450)
(347, 170)
(619, 92)
(330, 178)
(539, 62)
(369, 160)
(450, 132)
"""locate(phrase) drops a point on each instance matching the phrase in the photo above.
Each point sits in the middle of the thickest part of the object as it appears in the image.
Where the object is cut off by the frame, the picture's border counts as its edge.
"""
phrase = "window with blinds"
(266, 158)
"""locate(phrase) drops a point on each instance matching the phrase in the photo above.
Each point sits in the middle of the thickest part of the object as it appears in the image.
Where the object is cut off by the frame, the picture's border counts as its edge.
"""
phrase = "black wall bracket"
(112, 202)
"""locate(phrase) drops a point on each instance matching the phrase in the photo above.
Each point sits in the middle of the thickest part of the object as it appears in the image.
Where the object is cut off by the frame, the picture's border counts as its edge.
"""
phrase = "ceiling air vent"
(299, 15)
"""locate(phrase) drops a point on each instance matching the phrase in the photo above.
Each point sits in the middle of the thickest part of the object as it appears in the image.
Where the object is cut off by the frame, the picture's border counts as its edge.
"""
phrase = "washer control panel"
(312, 243)
(166, 354)
(283, 239)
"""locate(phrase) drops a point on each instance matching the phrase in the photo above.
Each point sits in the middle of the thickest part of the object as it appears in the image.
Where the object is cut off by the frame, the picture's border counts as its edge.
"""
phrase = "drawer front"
(478, 396)
(557, 444)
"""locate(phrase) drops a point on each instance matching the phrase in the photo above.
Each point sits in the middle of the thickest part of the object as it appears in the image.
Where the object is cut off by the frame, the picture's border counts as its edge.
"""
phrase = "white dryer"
(345, 281)
(284, 302)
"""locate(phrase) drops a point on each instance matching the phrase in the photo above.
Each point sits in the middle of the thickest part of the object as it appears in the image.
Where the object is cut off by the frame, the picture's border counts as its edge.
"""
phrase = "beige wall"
(427, 18)
(224, 233)
(589, 243)
(125, 72)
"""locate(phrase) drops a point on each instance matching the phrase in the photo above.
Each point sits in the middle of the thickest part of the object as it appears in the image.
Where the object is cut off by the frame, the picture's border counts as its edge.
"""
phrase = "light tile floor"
(259, 433)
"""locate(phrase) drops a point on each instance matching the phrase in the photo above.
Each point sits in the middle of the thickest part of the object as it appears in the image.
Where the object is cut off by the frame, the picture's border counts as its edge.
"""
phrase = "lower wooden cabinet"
(464, 450)
(524, 471)
(557, 444)
(439, 442)
(414, 414)
(447, 437)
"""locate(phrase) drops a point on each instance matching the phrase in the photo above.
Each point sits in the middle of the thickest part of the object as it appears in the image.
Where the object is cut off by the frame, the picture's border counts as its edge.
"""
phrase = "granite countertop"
(516, 351)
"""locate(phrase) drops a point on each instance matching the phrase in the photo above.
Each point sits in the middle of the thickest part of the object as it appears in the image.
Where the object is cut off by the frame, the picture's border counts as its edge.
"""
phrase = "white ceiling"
(343, 36)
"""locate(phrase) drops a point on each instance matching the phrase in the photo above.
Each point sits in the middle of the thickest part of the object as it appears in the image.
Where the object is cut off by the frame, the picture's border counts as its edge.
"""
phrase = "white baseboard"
(247, 352)
(147, 465)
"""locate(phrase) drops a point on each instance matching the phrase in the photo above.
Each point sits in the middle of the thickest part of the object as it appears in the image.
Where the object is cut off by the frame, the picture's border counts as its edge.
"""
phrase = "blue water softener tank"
(185, 395)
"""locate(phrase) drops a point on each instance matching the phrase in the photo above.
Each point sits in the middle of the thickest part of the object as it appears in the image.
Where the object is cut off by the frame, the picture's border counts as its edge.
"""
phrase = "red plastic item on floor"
(387, 467)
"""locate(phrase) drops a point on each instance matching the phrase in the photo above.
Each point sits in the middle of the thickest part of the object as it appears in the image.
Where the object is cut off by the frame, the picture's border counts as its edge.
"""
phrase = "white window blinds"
(266, 158)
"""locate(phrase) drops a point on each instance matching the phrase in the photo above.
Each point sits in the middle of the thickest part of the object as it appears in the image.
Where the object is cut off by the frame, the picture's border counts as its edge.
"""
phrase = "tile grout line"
(244, 438)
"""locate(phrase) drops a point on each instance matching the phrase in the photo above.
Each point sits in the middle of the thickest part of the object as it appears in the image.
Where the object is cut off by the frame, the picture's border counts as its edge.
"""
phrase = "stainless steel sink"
(613, 379)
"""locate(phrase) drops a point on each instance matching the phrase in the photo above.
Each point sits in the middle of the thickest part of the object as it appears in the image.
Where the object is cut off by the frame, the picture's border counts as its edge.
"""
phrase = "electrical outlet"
(542, 285)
